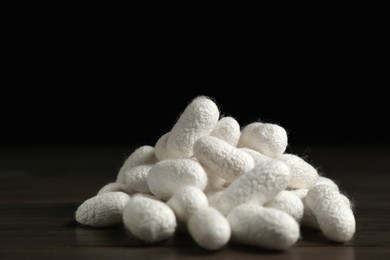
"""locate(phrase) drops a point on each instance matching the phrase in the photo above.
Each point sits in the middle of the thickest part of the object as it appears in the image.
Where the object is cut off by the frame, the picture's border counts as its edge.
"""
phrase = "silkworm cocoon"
(209, 228)
(149, 219)
(333, 214)
(143, 155)
(268, 139)
(111, 187)
(227, 129)
(186, 201)
(102, 210)
(222, 158)
(161, 149)
(258, 158)
(260, 184)
(303, 175)
(288, 202)
(263, 227)
(309, 218)
(169, 176)
(135, 178)
(198, 119)
(326, 181)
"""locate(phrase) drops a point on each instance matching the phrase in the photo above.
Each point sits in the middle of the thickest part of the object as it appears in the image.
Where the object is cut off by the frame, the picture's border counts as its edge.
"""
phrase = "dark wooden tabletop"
(40, 189)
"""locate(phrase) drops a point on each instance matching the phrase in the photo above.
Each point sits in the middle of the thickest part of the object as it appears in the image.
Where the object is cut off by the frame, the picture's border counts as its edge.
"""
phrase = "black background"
(104, 73)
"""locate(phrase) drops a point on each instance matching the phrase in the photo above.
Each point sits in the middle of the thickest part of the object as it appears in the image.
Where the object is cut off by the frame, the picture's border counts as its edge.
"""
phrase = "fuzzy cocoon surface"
(260, 184)
(198, 119)
(169, 176)
(186, 201)
(136, 177)
(335, 217)
(149, 219)
(143, 155)
(228, 130)
(209, 228)
(303, 175)
(268, 139)
(288, 202)
(270, 228)
(102, 210)
(222, 158)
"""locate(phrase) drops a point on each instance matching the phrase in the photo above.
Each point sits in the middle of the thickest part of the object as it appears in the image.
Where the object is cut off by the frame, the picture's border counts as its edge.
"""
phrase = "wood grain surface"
(40, 189)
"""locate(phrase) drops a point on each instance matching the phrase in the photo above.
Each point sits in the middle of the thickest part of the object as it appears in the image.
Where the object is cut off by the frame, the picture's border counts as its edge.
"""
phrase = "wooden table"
(40, 189)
